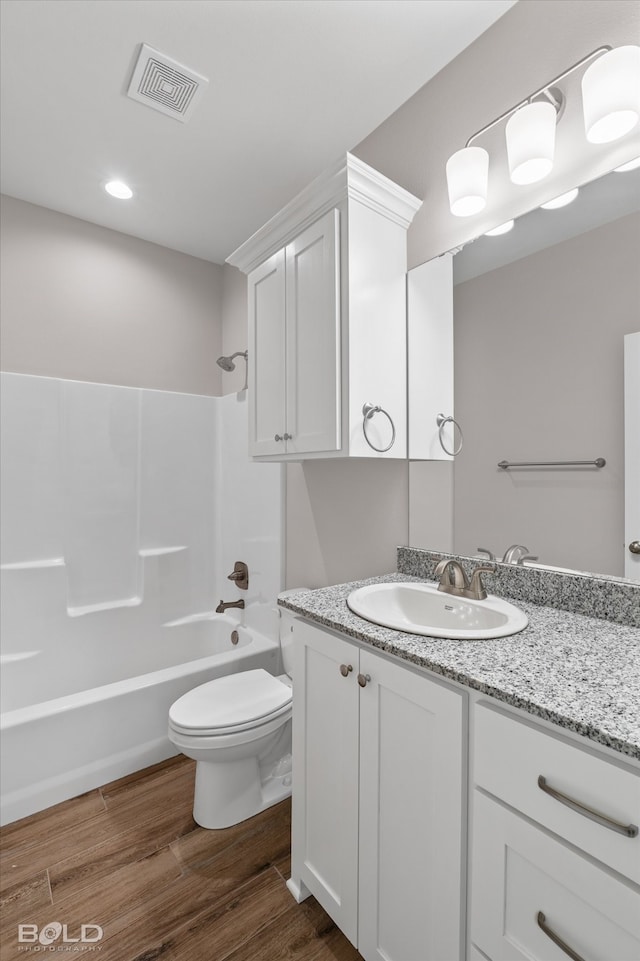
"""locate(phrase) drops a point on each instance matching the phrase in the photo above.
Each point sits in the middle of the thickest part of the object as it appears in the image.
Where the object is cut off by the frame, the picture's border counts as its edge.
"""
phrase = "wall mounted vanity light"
(611, 108)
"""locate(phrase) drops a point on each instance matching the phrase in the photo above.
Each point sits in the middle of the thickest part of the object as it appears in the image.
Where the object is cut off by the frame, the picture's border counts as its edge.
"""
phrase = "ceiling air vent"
(165, 85)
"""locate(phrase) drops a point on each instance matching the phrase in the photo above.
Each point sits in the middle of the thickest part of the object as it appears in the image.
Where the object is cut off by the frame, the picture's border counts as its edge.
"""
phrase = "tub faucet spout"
(223, 605)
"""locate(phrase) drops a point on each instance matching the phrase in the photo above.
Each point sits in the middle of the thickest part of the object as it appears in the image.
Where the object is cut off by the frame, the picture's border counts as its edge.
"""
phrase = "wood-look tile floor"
(129, 857)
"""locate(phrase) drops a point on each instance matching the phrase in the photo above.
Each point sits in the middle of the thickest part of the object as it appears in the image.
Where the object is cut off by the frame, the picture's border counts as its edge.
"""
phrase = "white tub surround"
(123, 512)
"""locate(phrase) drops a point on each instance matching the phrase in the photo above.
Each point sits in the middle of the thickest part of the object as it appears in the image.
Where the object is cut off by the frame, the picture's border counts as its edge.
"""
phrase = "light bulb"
(116, 188)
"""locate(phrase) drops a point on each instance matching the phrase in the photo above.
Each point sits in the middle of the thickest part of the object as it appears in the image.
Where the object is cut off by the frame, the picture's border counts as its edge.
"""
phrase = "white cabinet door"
(430, 358)
(325, 773)
(411, 816)
(528, 890)
(632, 453)
(267, 384)
(313, 338)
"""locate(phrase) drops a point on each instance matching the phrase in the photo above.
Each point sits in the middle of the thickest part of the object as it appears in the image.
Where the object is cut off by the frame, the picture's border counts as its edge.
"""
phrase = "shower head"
(227, 364)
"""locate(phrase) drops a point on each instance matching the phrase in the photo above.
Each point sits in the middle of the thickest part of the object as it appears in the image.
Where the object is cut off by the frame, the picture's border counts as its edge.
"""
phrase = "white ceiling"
(293, 84)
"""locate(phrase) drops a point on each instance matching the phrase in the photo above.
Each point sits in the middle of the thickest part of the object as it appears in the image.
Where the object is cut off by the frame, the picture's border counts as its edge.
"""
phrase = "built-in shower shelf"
(104, 606)
(12, 658)
(159, 551)
(34, 565)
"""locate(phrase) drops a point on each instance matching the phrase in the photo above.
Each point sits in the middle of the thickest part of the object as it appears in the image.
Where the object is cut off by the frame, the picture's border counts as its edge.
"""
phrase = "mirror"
(540, 317)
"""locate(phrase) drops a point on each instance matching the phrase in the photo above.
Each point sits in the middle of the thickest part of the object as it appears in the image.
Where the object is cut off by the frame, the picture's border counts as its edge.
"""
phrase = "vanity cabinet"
(327, 319)
(534, 874)
(390, 766)
(378, 814)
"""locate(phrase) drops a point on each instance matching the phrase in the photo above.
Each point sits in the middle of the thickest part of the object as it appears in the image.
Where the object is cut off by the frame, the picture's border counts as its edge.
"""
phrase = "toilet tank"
(287, 620)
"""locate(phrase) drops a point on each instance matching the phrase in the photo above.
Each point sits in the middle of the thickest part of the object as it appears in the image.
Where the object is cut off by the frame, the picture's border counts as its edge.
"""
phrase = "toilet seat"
(230, 705)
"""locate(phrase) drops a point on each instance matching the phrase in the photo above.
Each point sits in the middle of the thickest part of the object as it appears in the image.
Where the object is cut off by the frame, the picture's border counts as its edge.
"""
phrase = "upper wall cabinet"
(327, 320)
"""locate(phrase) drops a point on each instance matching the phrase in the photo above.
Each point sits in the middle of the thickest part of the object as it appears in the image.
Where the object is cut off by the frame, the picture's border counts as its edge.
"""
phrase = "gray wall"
(87, 303)
(234, 326)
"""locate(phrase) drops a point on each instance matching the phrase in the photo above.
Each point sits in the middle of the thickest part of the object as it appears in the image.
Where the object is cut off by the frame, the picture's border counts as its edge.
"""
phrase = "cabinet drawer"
(519, 872)
(510, 757)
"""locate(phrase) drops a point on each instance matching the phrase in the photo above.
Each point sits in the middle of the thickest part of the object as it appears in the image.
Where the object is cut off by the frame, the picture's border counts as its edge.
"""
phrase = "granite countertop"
(581, 673)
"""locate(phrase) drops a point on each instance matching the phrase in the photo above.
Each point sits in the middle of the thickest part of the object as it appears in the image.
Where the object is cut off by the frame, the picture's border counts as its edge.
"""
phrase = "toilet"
(238, 730)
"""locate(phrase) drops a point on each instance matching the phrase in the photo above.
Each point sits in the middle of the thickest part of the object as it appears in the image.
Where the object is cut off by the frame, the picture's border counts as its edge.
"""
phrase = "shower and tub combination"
(115, 552)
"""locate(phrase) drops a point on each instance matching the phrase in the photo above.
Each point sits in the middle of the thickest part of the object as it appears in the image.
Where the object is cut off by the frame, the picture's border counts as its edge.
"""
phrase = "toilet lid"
(234, 701)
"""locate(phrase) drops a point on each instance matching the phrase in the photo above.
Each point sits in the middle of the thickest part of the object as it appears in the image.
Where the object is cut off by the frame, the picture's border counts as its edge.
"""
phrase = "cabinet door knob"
(277, 437)
(363, 678)
(288, 437)
(345, 669)
(634, 547)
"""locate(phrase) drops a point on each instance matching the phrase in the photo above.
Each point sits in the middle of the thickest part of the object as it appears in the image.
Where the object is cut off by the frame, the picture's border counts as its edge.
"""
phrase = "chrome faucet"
(516, 554)
(453, 579)
(223, 605)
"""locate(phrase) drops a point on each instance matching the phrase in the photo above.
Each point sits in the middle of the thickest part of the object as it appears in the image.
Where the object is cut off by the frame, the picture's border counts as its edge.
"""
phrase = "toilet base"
(230, 793)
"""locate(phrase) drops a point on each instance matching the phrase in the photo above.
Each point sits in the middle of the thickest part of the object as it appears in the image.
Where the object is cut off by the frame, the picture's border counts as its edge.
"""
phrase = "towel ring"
(368, 411)
(441, 420)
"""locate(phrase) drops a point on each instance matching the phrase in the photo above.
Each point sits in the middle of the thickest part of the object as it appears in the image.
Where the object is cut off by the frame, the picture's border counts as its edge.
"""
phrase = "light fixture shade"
(611, 94)
(467, 178)
(562, 200)
(630, 165)
(500, 229)
(531, 138)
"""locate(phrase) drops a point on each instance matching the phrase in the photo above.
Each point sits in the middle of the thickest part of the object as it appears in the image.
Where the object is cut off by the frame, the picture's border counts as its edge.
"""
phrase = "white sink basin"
(423, 609)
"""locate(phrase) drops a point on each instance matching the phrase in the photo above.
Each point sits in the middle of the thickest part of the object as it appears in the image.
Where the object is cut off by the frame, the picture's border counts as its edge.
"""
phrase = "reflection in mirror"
(540, 318)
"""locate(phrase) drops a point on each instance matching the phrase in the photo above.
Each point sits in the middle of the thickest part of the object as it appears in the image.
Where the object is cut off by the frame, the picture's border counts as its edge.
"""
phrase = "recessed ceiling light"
(119, 189)
(561, 201)
(502, 229)
(630, 165)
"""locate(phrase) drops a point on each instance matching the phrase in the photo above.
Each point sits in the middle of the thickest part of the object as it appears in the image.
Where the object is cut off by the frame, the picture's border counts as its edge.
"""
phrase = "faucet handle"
(484, 550)
(240, 575)
(477, 589)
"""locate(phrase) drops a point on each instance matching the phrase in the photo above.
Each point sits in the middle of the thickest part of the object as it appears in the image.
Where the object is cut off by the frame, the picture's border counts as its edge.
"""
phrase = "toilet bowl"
(238, 730)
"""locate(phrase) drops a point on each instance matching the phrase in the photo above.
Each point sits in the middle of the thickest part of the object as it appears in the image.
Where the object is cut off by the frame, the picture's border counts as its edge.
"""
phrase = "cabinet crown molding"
(349, 179)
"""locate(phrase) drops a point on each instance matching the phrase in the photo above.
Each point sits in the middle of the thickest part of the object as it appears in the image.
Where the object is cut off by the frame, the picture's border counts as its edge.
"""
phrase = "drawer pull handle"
(629, 830)
(556, 940)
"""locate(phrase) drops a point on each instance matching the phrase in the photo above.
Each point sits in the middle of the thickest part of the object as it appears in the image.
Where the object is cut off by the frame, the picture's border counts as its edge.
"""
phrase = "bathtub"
(57, 748)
